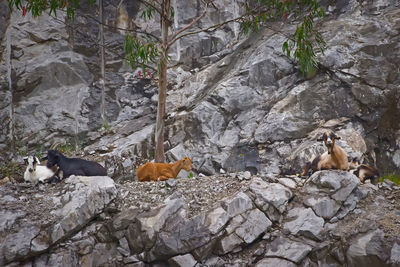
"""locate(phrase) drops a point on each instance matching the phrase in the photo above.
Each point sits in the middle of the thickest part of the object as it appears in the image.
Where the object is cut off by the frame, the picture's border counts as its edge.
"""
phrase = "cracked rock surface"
(92, 221)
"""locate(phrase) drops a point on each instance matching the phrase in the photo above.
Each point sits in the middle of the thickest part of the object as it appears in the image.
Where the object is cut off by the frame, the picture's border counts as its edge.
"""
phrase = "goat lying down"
(162, 171)
(363, 171)
(334, 158)
(35, 173)
(73, 166)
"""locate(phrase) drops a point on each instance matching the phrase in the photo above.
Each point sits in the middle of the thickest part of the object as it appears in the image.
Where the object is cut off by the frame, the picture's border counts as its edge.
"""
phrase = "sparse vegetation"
(21, 152)
(394, 177)
(105, 128)
(11, 170)
(68, 148)
(190, 175)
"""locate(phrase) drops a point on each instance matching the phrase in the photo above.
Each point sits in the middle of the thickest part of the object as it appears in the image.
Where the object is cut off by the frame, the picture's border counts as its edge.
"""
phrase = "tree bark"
(102, 64)
(162, 84)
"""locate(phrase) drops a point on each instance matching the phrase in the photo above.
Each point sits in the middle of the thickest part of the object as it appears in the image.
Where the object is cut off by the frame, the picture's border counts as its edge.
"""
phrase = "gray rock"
(131, 259)
(304, 222)
(217, 220)
(7, 219)
(234, 223)
(274, 262)
(337, 184)
(287, 249)
(324, 207)
(102, 253)
(238, 204)
(228, 244)
(214, 262)
(182, 261)
(89, 197)
(171, 182)
(193, 233)
(368, 249)
(99, 191)
(143, 233)
(124, 245)
(18, 245)
(350, 203)
(256, 223)
(272, 198)
(395, 254)
(287, 182)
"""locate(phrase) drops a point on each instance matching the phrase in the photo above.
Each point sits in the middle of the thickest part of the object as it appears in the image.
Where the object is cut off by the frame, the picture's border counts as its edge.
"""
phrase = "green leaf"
(285, 48)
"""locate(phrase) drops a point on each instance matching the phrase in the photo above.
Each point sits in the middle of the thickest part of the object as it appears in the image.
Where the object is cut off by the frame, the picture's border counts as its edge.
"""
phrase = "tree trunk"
(162, 97)
(102, 64)
(10, 85)
(162, 85)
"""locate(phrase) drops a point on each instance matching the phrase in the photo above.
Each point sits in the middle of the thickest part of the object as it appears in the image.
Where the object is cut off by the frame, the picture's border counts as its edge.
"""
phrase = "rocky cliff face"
(229, 220)
(232, 105)
(235, 104)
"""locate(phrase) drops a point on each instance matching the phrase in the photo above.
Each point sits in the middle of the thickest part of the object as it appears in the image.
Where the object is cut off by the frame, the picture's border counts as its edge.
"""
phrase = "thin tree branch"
(219, 25)
(195, 20)
(122, 29)
(96, 43)
(159, 11)
(150, 4)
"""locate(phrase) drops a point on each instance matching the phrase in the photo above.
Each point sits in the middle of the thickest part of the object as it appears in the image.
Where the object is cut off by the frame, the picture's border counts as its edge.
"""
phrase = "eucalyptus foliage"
(139, 53)
(302, 45)
(37, 7)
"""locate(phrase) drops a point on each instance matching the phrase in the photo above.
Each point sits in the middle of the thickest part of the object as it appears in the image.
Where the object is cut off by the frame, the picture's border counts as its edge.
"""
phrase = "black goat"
(73, 166)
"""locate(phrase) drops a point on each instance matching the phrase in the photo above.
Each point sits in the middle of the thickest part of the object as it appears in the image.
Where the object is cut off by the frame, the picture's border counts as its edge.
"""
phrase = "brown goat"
(162, 171)
(334, 158)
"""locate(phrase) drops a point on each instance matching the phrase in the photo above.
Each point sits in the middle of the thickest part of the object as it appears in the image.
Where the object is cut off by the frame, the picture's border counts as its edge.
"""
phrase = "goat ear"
(37, 160)
(26, 160)
(44, 158)
(320, 139)
(337, 137)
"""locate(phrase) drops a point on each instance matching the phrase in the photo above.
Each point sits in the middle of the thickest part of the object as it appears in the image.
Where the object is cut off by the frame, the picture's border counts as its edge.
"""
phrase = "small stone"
(171, 182)
(186, 260)
(247, 175)
(334, 219)
(259, 252)
(357, 211)
(131, 259)
(267, 236)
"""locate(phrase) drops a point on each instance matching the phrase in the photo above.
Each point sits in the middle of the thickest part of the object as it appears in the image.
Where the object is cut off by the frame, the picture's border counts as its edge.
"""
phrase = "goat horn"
(55, 145)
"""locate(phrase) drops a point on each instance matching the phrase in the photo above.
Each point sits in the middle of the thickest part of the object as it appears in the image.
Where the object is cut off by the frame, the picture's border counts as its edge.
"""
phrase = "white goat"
(35, 173)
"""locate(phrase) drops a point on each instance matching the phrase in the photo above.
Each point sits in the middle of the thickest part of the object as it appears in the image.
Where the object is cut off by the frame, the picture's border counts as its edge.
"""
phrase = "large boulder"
(55, 214)
(326, 191)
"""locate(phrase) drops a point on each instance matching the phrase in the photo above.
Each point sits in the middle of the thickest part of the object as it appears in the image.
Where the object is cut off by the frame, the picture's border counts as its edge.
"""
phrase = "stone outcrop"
(235, 103)
(36, 219)
(90, 221)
